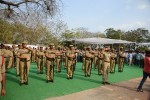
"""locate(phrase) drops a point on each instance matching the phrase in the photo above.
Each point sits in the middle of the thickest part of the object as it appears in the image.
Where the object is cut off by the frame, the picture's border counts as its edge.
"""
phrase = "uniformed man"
(112, 61)
(2, 75)
(58, 59)
(11, 57)
(14, 50)
(121, 60)
(88, 61)
(50, 58)
(33, 55)
(106, 65)
(6, 55)
(96, 58)
(24, 54)
(100, 61)
(70, 61)
(40, 63)
(83, 58)
(18, 60)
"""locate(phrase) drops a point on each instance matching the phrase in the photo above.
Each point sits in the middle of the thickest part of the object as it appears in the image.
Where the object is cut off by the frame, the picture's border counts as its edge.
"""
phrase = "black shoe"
(103, 83)
(139, 90)
(47, 81)
(68, 78)
(21, 84)
(71, 77)
(52, 81)
(41, 73)
(107, 82)
(26, 83)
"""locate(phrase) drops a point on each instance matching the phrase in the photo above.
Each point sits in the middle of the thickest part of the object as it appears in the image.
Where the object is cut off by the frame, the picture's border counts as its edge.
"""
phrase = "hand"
(3, 92)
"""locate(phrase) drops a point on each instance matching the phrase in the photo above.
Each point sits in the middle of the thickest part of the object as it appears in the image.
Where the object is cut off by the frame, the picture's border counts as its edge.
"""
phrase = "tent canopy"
(101, 41)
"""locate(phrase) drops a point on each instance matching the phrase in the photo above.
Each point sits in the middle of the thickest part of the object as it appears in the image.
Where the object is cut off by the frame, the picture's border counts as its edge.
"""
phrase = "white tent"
(101, 41)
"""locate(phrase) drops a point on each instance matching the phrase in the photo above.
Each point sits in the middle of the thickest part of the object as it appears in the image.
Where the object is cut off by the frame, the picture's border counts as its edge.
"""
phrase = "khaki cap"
(89, 47)
(24, 42)
(51, 44)
(70, 45)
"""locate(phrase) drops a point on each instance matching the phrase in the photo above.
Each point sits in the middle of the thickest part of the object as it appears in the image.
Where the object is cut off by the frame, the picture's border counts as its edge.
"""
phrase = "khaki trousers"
(49, 69)
(70, 64)
(105, 71)
(112, 65)
(24, 71)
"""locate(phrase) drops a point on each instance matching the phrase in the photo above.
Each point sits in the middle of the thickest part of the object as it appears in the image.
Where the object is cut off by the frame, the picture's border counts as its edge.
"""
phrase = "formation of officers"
(104, 60)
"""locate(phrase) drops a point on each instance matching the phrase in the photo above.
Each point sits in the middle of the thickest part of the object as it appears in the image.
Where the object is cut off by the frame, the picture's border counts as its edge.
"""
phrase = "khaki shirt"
(24, 53)
(50, 53)
(40, 54)
(106, 57)
(71, 53)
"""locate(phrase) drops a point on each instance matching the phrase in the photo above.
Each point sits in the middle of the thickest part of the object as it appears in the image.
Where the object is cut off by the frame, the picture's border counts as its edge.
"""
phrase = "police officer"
(96, 58)
(24, 54)
(100, 61)
(121, 60)
(88, 61)
(83, 58)
(70, 61)
(40, 63)
(50, 58)
(106, 65)
(58, 59)
(18, 60)
(112, 61)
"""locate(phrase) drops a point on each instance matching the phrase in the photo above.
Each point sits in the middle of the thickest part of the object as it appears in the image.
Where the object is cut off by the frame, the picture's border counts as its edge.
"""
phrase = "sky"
(98, 15)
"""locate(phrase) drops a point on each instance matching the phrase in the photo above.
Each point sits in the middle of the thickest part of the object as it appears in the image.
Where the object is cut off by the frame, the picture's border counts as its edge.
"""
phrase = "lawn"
(38, 89)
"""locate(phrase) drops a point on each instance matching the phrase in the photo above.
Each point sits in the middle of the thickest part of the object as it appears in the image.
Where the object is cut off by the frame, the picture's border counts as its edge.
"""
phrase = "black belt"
(24, 60)
(50, 59)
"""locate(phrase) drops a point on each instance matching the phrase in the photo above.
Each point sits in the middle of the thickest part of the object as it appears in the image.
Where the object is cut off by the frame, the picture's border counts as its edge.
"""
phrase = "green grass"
(38, 89)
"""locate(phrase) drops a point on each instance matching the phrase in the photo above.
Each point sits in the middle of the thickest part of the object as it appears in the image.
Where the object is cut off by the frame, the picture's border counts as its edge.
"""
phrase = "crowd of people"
(104, 60)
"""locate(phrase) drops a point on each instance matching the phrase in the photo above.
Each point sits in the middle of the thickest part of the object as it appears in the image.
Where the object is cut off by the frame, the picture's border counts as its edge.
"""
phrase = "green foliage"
(142, 48)
(113, 34)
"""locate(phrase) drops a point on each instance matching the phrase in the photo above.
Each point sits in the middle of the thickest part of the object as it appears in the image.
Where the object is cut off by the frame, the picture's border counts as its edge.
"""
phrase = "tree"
(10, 8)
(138, 35)
(113, 34)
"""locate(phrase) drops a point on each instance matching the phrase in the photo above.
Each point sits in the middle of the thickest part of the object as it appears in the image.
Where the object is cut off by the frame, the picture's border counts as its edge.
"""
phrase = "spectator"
(146, 71)
(130, 57)
(137, 57)
(142, 59)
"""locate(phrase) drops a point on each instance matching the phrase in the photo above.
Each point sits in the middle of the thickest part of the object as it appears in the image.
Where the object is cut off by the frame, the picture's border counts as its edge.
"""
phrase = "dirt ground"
(119, 91)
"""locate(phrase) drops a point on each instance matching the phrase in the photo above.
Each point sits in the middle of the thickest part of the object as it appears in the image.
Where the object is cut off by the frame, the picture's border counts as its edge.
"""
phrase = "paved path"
(119, 91)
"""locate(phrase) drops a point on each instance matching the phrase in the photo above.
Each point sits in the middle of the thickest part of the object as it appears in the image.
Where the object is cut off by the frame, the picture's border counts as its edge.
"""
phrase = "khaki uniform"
(40, 62)
(83, 60)
(88, 63)
(121, 61)
(6, 57)
(100, 63)
(106, 66)
(50, 64)
(58, 61)
(24, 64)
(33, 55)
(17, 63)
(10, 63)
(112, 62)
(95, 59)
(70, 63)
